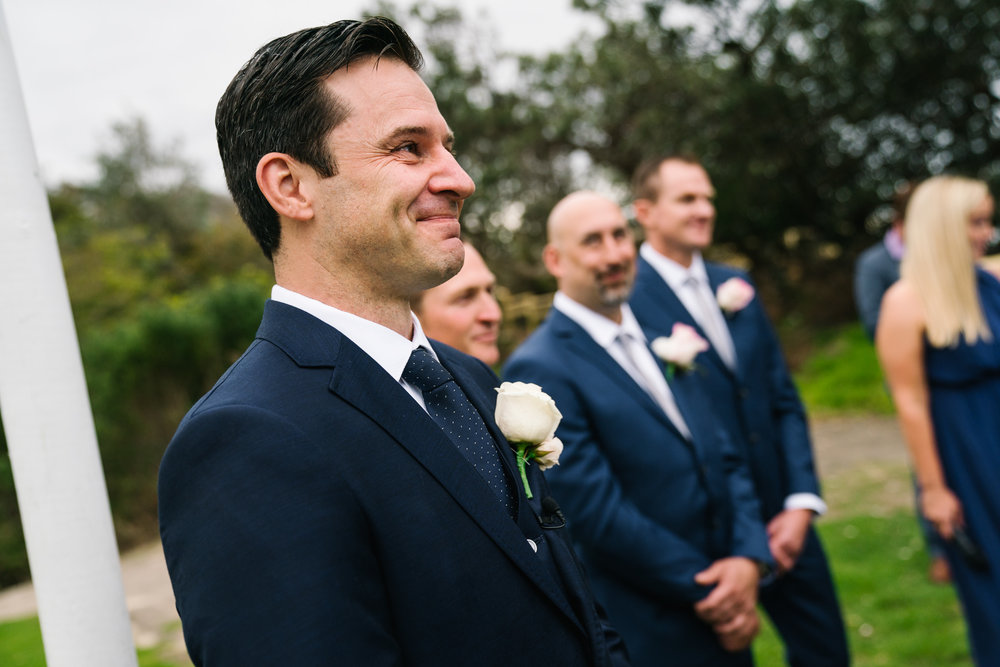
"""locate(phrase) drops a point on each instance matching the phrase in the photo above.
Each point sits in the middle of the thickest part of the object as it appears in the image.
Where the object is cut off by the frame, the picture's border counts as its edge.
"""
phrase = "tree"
(807, 115)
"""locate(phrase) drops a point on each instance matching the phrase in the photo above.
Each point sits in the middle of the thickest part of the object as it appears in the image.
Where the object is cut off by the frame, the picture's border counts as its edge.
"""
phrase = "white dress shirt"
(390, 350)
(637, 360)
(691, 286)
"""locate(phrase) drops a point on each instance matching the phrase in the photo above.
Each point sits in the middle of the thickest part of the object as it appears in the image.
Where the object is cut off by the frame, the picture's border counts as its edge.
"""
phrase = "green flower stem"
(523, 455)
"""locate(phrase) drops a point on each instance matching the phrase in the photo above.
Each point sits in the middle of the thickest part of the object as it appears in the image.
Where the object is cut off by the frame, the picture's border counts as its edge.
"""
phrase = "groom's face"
(390, 215)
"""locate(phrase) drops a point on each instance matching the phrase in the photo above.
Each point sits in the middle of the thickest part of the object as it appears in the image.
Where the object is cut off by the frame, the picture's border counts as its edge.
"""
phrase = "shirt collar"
(390, 350)
(894, 244)
(673, 273)
(604, 331)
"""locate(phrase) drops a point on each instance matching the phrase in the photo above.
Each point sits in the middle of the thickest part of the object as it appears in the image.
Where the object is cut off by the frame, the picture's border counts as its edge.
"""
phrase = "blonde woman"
(938, 344)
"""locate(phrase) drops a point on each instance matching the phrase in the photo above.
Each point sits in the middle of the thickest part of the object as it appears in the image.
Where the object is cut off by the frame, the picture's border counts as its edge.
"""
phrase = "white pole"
(47, 419)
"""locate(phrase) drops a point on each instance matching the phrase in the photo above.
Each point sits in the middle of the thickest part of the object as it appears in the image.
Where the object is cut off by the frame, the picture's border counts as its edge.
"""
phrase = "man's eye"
(408, 147)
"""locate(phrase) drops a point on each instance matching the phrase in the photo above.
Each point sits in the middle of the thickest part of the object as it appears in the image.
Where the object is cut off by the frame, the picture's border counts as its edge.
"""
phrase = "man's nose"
(489, 308)
(451, 178)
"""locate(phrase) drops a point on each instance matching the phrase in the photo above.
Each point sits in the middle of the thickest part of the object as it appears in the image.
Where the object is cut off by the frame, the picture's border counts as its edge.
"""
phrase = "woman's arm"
(899, 341)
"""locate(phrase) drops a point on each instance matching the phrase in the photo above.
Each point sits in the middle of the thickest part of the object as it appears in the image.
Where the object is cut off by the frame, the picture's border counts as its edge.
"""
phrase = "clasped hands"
(731, 607)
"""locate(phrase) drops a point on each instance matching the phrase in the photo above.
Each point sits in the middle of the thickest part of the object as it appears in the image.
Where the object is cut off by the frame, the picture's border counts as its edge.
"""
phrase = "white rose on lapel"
(528, 418)
(547, 453)
(734, 295)
(679, 348)
(525, 413)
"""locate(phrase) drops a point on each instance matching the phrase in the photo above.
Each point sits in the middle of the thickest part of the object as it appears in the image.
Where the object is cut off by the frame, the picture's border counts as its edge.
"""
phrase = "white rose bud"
(547, 453)
(734, 294)
(525, 413)
(681, 346)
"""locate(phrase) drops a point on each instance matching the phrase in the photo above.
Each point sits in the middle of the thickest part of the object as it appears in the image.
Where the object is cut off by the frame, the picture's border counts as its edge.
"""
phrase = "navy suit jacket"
(313, 514)
(648, 507)
(874, 273)
(758, 402)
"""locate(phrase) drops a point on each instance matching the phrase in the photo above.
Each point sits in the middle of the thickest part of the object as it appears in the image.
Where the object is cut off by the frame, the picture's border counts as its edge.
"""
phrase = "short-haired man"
(877, 267)
(463, 311)
(752, 394)
(342, 495)
(660, 504)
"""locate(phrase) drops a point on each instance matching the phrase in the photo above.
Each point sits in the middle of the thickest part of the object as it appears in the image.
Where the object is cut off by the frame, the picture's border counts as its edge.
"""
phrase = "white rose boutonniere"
(679, 348)
(734, 295)
(528, 418)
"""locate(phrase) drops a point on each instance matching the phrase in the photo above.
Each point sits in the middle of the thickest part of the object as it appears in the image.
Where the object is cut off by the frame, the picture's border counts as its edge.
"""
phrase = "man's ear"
(279, 177)
(641, 209)
(550, 256)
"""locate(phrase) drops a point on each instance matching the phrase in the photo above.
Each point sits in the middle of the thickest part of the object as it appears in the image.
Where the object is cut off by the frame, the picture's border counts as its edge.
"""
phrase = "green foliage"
(145, 373)
(13, 557)
(167, 289)
(807, 115)
(842, 374)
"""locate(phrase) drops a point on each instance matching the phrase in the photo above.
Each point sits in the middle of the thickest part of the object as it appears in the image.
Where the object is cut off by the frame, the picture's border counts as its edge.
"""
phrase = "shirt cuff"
(806, 501)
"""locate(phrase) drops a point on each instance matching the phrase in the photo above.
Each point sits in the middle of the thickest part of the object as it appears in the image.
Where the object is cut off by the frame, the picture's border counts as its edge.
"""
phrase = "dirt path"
(855, 445)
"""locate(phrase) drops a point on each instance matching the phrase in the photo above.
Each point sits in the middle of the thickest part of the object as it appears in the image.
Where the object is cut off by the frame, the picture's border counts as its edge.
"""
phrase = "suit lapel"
(736, 322)
(656, 290)
(362, 383)
(580, 343)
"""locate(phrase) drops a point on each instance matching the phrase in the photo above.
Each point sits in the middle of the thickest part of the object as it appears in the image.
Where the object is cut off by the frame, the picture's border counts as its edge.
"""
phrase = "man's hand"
(738, 633)
(786, 535)
(735, 593)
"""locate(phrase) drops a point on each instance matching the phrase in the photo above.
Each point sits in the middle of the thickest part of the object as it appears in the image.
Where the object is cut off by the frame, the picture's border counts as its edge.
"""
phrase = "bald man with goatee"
(659, 503)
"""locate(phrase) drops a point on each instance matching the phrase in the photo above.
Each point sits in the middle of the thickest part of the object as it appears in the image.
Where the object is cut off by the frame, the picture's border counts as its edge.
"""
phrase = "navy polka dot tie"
(451, 409)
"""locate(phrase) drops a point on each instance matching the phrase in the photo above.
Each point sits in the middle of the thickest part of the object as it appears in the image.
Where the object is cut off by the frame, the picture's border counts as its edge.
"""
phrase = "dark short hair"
(900, 200)
(646, 178)
(277, 103)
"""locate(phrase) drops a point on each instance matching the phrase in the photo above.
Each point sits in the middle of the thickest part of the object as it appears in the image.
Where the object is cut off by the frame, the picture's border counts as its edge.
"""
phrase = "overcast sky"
(86, 65)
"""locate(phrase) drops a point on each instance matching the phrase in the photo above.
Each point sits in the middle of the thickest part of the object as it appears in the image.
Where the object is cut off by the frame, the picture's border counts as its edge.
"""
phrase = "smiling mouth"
(614, 275)
(449, 210)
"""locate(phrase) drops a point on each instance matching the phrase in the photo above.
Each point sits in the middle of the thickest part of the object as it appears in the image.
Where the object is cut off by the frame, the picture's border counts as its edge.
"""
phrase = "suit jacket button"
(755, 438)
(531, 543)
(744, 392)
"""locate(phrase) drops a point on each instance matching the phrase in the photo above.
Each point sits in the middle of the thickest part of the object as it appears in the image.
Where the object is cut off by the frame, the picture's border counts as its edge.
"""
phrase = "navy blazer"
(758, 402)
(313, 514)
(874, 273)
(648, 507)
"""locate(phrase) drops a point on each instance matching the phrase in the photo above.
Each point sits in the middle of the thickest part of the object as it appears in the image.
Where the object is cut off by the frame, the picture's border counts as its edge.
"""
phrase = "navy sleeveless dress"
(964, 384)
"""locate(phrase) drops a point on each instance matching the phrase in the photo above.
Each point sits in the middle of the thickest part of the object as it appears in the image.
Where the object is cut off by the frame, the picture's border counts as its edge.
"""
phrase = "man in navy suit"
(317, 506)
(745, 376)
(660, 505)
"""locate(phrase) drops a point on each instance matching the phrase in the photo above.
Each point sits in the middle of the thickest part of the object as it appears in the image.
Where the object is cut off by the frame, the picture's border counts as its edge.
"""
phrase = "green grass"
(894, 615)
(21, 646)
(842, 375)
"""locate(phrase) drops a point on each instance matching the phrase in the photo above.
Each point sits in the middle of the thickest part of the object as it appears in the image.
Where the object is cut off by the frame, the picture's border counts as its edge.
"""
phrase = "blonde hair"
(939, 262)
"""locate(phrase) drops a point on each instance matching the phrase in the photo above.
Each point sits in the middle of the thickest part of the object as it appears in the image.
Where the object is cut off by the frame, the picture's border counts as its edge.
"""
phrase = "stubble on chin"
(613, 297)
(443, 267)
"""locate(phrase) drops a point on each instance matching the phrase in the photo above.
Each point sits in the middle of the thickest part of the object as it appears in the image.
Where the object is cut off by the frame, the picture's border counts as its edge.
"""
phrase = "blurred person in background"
(754, 399)
(659, 500)
(938, 346)
(463, 311)
(876, 270)
(877, 267)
